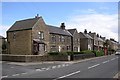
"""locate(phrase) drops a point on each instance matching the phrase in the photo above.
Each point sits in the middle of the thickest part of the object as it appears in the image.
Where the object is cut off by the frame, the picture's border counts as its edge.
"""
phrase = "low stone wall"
(83, 56)
(33, 58)
(38, 58)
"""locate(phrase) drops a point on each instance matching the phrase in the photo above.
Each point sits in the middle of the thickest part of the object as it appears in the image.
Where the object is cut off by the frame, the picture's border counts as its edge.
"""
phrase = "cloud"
(3, 30)
(103, 24)
(88, 11)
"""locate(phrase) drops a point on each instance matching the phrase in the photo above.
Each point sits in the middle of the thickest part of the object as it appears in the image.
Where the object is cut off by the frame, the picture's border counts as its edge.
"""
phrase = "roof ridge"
(28, 19)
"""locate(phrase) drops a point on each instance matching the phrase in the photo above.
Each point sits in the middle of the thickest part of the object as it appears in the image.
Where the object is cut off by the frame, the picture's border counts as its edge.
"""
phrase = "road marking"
(67, 64)
(47, 68)
(63, 65)
(15, 74)
(67, 75)
(38, 70)
(43, 68)
(11, 67)
(24, 73)
(105, 61)
(4, 76)
(54, 67)
(113, 59)
(59, 66)
(93, 66)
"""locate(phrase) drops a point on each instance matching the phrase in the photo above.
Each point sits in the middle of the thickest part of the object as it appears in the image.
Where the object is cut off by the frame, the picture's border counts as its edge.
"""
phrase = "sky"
(99, 17)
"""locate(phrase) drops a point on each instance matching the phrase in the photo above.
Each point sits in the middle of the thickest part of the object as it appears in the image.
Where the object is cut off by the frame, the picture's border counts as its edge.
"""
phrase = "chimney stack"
(37, 16)
(85, 31)
(62, 26)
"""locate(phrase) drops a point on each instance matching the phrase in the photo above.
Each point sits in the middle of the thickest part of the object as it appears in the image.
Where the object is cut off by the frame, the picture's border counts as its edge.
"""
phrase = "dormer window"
(41, 35)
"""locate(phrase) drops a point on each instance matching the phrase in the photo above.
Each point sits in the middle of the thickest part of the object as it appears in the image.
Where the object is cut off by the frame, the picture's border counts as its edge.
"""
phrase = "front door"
(41, 48)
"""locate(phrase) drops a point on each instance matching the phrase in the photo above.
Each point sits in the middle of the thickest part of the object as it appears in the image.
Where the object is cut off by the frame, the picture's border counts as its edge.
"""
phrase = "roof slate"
(29, 23)
(86, 35)
(57, 30)
(72, 31)
(23, 24)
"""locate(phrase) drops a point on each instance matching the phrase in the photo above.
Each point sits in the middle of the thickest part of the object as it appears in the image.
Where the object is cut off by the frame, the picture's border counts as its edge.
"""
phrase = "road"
(101, 67)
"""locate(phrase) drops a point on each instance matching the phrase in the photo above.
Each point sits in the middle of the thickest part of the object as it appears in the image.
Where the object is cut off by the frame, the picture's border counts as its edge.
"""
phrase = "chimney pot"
(62, 26)
(37, 16)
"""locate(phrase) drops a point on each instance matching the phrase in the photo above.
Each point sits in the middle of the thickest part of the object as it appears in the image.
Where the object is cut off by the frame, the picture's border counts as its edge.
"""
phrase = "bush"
(86, 52)
(53, 53)
(98, 53)
(70, 53)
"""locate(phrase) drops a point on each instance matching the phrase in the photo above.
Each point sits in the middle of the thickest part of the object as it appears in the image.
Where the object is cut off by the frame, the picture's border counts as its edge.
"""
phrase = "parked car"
(117, 53)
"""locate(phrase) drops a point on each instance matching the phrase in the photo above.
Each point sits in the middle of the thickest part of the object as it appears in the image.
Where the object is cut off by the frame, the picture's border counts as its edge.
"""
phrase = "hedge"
(70, 53)
(98, 53)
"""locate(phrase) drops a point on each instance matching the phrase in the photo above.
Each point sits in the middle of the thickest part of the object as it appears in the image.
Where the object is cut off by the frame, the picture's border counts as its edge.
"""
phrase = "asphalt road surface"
(102, 67)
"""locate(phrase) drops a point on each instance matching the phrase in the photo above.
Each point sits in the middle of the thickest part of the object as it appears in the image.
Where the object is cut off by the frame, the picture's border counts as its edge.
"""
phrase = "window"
(53, 49)
(53, 37)
(68, 47)
(78, 41)
(41, 35)
(62, 38)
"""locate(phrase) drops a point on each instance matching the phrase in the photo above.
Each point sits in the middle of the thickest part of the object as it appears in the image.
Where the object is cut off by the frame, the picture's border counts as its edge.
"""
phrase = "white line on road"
(105, 61)
(24, 73)
(67, 64)
(38, 70)
(15, 74)
(43, 68)
(113, 59)
(47, 68)
(11, 67)
(93, 66)
(59, 66)
(54, 67)
(4, 77)
(67, 75)
(63, 65)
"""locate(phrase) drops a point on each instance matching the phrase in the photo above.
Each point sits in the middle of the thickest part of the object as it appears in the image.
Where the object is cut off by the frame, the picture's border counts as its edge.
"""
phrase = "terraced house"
(34, 37)
(86, 41)
(59, 39)
(75, 40)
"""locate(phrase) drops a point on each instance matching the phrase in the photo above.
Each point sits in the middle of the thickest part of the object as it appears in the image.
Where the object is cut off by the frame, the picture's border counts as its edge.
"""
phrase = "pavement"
(98, 67)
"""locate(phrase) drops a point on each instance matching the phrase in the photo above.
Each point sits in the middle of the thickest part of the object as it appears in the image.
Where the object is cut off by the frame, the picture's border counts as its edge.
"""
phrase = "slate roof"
(57, 30)
(86, 36)
(72, 31)
(29, 23)
(100, 39)
(24, 24)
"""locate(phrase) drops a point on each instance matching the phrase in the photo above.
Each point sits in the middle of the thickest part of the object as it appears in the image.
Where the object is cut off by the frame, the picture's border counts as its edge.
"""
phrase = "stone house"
(28, 37)
(75, 40)
(85, 41)
(100, 43)
(95, 40)
(113, 44)
(33, 36)
(2, 43)
(59, 39)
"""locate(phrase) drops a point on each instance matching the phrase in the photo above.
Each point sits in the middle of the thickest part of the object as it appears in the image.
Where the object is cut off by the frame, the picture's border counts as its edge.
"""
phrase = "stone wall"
(38, 58)
(33, 58)
(83, 56)
(19, 42)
